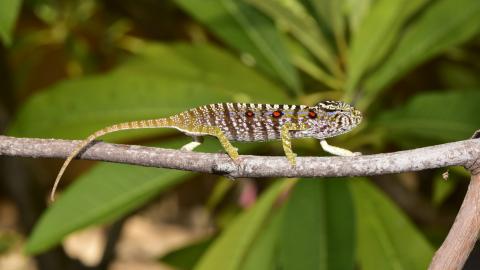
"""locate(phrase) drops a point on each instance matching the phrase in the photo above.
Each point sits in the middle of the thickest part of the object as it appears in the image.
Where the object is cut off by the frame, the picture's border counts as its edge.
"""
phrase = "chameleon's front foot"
(233, 154)
(292, 159)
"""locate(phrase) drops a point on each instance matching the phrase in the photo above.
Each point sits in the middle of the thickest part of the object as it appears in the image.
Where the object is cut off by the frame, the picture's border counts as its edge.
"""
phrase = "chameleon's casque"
(248, 122)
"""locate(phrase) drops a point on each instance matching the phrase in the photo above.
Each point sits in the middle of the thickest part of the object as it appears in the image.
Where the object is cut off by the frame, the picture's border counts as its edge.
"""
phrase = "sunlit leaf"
(318, 229)
(303, 27)
(101, 195)
(330, 15)
(441, 117)
(376, 34)
(356, 11)
(431, 33)
(248, 31)
(386, 238)
(9, 10)
(164, 80)
(186, 257)
(264, 251)
(235, 243)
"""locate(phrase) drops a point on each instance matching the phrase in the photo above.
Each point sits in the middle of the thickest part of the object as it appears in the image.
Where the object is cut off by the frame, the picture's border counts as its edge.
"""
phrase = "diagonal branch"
(455, 249)
(449, 154)
(464, 233)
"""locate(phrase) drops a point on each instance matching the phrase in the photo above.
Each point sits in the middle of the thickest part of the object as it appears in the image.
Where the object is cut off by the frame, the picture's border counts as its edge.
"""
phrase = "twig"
(449, 154)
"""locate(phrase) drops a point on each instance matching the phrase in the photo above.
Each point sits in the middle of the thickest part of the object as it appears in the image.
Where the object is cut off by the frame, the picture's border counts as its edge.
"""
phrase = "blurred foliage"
(410, 66)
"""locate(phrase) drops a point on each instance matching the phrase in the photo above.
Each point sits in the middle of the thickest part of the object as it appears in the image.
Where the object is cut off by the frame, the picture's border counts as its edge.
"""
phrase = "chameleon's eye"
(249, 114)
(277, 114)
(312, 114)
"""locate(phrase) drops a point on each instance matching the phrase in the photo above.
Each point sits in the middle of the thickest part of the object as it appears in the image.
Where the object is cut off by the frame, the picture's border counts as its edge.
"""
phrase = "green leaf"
(424, 39)
(263, 253)
(185, 258)
(303, 27)
(248, 31)
(376, 34)
(442, 117)
(103, 194)
(330, 16)
(356, 11)
(9, 10)
(318, 227)
(235, 243)
(163, 80)
(386, 238)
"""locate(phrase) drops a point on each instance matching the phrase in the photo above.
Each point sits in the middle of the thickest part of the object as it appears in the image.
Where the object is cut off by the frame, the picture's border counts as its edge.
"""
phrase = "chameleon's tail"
(154, 123)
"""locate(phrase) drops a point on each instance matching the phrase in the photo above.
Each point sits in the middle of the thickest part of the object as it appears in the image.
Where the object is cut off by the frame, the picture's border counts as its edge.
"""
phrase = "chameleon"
(247, 122)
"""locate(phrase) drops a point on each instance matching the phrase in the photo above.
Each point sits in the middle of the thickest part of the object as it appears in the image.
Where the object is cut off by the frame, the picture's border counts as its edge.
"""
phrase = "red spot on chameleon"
(277, 114)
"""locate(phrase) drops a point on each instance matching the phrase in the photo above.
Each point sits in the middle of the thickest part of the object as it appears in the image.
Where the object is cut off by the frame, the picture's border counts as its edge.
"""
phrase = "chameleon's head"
(335, 118)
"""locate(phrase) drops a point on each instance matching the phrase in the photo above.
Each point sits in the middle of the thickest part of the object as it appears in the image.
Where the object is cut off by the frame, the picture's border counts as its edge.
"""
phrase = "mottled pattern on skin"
(255, 122)
(248, 122)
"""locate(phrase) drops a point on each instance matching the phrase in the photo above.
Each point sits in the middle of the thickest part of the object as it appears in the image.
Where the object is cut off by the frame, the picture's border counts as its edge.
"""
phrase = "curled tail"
(154, 123)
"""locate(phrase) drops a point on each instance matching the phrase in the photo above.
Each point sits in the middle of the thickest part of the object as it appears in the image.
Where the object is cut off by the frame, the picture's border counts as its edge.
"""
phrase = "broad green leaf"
(234, 244)
(164, 80)
(305, 62)
(186, 257)
(103, 194)
(386, 239)
(318, 227)
(356, 11)
(206, 63)
(248, 31)
(330, 15)
(376, 35)
(9, 10)
(303, 27)
(440, 116)
(431, 33)
(264, 251)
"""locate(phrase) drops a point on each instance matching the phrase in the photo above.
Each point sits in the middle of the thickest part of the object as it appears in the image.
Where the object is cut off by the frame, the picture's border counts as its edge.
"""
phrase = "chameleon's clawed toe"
(237, 161)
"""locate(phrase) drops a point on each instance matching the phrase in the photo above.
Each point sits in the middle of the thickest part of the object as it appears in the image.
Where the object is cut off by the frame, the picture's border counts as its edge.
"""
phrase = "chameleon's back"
(262, 122)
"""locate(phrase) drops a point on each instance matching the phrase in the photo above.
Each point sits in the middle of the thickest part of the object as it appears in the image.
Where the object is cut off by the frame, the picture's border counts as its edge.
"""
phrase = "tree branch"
(464, 233)
(449, 154)
(451, 255)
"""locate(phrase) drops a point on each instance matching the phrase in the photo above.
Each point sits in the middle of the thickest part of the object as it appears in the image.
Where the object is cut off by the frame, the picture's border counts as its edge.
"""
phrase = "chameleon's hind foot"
(189, 147)
(334, 150)
(197, 141)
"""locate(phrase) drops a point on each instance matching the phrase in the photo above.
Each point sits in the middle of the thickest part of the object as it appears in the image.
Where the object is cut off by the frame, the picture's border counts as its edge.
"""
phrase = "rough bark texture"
(451, 255)
(464, 233)
(449, 154)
